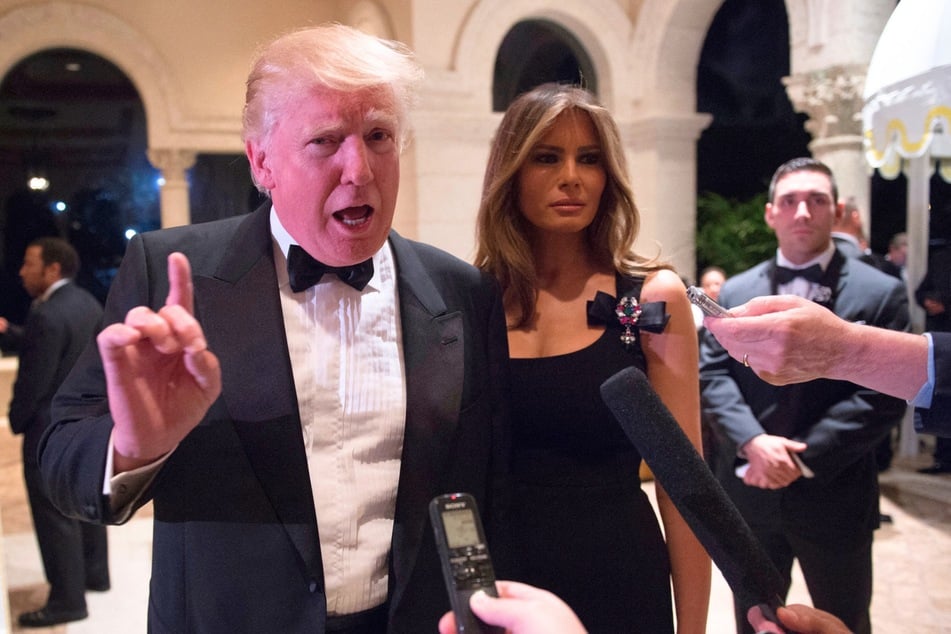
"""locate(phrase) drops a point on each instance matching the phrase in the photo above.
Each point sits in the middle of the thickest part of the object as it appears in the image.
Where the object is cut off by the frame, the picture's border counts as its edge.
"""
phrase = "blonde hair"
(331, 56)
(501, 229)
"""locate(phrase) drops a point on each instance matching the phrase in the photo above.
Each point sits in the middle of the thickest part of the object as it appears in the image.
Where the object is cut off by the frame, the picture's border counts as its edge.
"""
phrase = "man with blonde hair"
(301, 382)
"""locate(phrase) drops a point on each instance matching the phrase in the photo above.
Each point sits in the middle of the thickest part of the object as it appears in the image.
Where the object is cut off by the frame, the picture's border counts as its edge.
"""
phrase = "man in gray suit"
(291, 419)
(804, 475)
(62, 322)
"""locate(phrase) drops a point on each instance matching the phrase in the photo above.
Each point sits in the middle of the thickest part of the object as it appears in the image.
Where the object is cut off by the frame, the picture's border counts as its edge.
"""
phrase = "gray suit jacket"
(55, 334)
(235, 535)
(841, 423)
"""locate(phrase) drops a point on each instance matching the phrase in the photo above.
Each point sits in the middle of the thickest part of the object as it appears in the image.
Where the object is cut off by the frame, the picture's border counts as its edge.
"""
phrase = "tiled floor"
(912, 559)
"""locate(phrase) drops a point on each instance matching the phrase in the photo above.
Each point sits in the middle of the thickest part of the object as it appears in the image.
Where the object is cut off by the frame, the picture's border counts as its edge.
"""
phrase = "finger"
(114, 338)
(155, 328)
(447, 624)
(770, 377)
(766, 304)
(185, 327)
(495, 611)
(205, 370)
(180, 289)
(760, 623)
(516, 590)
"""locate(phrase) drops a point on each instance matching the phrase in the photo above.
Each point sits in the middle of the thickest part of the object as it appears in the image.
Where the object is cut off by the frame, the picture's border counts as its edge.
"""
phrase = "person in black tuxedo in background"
(63, 320)
(849, 238)
(934, 295)
(807, 482)
(290, 421)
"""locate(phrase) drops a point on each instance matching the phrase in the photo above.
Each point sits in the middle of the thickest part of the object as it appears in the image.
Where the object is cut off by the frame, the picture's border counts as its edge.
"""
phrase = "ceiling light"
(38, 183)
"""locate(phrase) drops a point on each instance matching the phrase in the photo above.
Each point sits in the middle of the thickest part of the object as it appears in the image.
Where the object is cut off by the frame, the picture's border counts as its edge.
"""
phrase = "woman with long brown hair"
(557, 225)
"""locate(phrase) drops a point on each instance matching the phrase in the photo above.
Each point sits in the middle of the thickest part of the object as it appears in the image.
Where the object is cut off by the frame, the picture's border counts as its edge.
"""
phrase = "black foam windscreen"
(693, 489)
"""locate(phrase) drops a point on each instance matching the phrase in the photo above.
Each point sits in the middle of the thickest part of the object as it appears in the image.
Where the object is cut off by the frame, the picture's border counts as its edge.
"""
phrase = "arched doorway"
(72, 142)
(534, 52)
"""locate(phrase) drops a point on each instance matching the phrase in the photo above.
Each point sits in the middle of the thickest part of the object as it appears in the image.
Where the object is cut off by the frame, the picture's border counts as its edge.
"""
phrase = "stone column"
(662, 155)
(832, 98)
(174, 193)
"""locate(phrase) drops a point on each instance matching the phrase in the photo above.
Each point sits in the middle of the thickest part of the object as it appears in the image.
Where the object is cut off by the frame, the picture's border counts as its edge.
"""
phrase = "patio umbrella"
(906, 124)
(908, 87)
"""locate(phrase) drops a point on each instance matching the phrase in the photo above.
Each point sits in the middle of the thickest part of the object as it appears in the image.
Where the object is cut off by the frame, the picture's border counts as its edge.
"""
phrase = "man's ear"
(55, 269)
(767, 215)
(839, 211)
(257, 158)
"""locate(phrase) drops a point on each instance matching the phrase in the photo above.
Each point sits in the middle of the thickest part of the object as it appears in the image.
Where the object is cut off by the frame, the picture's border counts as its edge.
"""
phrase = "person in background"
(934, 296)
(898, 250)
(289, 418)
(556, 227)
(847, 231)
(11, 336)
(63, 320)
(849, 238)
(804, 474)
(711, 279)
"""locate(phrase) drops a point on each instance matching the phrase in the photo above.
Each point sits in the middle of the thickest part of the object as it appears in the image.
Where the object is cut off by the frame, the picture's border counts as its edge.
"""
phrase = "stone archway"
(73, 146)
(535, 52)
(30, 29)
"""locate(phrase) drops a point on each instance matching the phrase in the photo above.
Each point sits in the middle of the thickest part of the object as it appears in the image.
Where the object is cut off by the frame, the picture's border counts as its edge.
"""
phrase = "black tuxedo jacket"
(937, 419)
(235, 534)
(841, 422)
(54, 335)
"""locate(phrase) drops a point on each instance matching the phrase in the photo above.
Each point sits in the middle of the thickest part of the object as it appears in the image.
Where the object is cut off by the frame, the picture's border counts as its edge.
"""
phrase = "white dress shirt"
(346, 353)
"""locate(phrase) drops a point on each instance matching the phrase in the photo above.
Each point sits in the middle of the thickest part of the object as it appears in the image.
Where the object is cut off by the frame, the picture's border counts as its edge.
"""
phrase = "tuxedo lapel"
(433, 353)
(239, 307)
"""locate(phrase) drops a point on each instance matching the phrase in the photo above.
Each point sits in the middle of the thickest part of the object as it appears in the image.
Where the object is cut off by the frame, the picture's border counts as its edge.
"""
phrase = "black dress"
(580, 524)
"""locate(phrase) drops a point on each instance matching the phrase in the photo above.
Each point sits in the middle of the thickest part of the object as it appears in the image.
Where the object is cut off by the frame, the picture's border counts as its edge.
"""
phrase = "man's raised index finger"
(180, 290)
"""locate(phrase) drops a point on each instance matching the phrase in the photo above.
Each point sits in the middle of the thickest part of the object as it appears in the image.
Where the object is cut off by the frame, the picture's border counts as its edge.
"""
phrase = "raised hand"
(160, 376)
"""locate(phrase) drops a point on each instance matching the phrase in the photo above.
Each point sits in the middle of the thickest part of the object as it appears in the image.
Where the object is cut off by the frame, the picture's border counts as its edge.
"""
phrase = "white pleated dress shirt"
(346, 352)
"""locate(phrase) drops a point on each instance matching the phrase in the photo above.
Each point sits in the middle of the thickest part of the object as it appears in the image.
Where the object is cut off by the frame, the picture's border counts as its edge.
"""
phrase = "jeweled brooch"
(628, 313)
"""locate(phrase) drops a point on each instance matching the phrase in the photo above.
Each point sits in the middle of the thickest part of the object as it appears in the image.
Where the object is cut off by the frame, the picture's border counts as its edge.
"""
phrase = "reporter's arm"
(787, 339)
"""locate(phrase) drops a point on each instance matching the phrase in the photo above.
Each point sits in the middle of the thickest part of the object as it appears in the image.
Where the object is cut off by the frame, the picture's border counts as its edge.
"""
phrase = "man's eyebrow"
(382, 117)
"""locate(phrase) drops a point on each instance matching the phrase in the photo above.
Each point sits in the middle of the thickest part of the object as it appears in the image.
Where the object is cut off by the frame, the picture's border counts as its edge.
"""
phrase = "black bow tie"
(304, 271)
(783, 275)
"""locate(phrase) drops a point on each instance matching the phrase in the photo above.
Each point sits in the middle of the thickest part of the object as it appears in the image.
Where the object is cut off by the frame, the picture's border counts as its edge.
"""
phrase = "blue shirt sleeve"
(923, 398)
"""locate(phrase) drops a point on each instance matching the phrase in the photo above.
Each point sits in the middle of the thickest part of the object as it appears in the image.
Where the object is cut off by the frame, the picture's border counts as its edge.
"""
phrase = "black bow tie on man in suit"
(784, 275)
(304, 271)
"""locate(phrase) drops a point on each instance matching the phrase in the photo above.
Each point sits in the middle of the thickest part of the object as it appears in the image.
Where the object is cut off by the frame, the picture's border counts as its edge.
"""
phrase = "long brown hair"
(502, 246)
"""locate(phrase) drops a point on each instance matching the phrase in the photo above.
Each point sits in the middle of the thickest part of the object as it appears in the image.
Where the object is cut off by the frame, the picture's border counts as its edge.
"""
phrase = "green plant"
(732, 234)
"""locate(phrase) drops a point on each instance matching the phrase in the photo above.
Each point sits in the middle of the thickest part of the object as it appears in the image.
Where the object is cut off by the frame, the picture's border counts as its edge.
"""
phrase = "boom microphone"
(694, 490)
